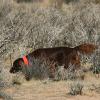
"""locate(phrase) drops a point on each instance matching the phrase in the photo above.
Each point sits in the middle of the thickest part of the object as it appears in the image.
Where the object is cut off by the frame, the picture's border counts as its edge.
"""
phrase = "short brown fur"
(59, 56)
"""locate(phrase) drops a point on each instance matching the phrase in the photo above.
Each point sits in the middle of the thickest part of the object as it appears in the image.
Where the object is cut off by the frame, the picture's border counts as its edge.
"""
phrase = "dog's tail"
(86, 48)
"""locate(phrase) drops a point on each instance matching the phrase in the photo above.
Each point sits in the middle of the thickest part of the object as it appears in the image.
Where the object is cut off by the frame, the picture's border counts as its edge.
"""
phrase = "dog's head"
(17, 66)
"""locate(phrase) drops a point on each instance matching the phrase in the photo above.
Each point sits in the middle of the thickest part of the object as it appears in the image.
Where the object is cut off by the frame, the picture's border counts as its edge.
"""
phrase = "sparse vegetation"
(28, 26)
(96, 67)
(56, 3)
(5, 96)
(19, 1)
(76, 89)
(97, 1)
(0, 78)
(36, 69)
(96, 70)
(16, 80)
(69, 74)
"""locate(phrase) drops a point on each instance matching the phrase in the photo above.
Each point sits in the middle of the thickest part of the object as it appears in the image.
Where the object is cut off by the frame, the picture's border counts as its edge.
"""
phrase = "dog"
(53, 57)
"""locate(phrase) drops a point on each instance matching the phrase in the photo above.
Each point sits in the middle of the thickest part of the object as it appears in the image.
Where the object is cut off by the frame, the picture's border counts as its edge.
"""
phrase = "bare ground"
(48, 90)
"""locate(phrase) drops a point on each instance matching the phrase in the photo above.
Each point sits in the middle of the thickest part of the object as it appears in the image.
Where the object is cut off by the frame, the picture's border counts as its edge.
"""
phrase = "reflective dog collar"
(25, 60)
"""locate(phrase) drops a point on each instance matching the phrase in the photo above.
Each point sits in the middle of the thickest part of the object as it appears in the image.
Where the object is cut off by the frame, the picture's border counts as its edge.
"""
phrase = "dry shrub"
(68, 1)
(16, 80)
(4, 83)
(56, 3)
(96, 63)
(5, 96)
(97, 1)
(5, 8)
(89, 1)
(69, 74)
(76, 88)
(36, 69)
(20, 1)
(26, 27)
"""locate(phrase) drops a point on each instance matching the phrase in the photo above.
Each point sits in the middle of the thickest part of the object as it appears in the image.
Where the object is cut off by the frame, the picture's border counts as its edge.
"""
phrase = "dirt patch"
(47, 90)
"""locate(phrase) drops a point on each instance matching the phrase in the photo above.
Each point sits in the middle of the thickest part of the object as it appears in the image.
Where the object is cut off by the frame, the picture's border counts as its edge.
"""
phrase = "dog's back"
(56, 56)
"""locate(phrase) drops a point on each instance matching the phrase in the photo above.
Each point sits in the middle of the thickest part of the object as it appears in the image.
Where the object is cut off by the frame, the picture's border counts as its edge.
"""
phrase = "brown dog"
(54, 57)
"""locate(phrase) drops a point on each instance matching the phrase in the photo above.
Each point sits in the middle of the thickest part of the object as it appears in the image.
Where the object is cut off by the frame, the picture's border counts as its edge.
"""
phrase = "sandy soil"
(44, 90)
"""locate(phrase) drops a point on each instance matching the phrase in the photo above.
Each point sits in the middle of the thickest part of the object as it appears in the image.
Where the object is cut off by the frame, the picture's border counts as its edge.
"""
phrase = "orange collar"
(25, 60)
